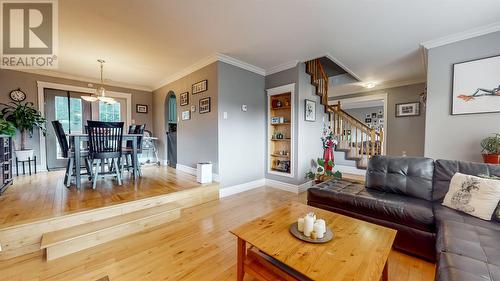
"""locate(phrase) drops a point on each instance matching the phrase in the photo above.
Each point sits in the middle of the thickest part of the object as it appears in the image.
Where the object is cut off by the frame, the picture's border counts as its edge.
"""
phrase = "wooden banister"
(353, 134)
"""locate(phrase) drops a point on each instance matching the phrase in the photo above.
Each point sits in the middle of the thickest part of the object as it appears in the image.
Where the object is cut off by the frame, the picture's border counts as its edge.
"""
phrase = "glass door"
(69, 109)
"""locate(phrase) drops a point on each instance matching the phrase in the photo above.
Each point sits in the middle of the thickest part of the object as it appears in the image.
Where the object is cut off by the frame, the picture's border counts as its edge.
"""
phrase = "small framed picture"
(184, 99)
(193, 108)
(408, 109)
(374, 114)
(141, 108)
(368, 120)
(186, 115)
(199, 87)
(381, 121)
(204, 106)
(310, 110)
(368, 115)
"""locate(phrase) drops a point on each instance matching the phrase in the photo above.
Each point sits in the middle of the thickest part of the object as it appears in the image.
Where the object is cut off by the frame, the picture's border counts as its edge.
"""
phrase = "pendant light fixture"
(100, 94)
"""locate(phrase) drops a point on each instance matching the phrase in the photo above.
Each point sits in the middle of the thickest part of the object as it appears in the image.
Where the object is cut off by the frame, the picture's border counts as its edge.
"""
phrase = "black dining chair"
(128, 150)
(68, 153)
(105, 144)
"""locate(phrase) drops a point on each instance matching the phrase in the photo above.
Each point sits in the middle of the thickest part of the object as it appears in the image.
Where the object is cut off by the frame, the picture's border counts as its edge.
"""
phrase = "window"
(109, 112)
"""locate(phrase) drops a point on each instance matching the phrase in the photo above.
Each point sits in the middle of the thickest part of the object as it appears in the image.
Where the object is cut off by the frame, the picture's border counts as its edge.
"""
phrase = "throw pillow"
(475, 196)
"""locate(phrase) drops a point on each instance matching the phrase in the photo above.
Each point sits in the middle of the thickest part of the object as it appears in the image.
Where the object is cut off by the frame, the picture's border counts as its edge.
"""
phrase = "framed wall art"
(204, 106)
(186, 115)
(184, 99)
(476, 86)
(141, 108)
(199, 87)
(408, 109)
(310, 110)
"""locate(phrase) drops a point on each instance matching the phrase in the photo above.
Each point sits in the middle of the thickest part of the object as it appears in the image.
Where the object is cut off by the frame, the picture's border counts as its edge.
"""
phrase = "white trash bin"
(204, 172)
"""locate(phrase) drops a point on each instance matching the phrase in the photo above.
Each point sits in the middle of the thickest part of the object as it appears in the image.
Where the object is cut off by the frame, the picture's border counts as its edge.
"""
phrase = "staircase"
(358, 141)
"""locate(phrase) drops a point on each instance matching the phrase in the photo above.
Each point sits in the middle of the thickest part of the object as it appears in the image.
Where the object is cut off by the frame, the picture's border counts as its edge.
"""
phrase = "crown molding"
(186, 71)
(207, 61)
(241, 64)
(471, 33)
(63, 75)
(282, 67)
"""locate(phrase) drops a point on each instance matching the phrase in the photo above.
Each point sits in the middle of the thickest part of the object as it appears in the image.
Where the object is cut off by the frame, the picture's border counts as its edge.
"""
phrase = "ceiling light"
(369, 85)
(100, 91)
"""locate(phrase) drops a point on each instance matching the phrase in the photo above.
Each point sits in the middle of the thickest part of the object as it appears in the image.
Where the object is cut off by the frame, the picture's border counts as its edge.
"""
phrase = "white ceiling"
(145, 41)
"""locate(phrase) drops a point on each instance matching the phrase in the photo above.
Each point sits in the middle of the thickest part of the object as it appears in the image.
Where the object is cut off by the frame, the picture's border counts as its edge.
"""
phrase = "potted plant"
(318, 172)
(25, 118)
(491, 149)
(7, 128)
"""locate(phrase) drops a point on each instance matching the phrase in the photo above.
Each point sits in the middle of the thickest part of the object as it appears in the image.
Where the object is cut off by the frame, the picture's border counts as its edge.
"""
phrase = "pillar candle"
(323, 224)
(319, 229)
(300, 224)
(308, 225)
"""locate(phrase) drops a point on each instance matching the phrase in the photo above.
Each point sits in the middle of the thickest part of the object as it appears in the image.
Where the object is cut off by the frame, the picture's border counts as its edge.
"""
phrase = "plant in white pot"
(26, 119)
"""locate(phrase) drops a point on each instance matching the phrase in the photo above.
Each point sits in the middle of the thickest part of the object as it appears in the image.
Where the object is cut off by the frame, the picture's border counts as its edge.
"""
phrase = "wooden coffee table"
(358, 251)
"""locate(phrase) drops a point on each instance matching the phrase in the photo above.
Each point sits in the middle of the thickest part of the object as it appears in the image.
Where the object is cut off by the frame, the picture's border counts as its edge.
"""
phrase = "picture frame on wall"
(310, 110)
(368, 120)
(204, 105)
(374, 114)
(476, 86)
(184, 99)
(408, 109)
(199, 87)
(368, 115)
(141, 108)
(186, 115)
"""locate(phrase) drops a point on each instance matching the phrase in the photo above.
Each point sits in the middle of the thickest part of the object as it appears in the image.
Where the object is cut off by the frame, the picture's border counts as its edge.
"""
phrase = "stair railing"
(351, 132)
(355, 135)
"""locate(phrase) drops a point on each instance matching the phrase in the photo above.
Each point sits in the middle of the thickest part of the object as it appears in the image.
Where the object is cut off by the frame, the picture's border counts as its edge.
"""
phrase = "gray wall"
(10, 80)
(456, 136)
(242, 136)
(403, 133)
(197, 138)
(308, 146)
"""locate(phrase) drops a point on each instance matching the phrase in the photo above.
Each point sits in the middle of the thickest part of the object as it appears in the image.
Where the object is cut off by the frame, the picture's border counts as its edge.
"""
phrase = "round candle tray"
(295, 232)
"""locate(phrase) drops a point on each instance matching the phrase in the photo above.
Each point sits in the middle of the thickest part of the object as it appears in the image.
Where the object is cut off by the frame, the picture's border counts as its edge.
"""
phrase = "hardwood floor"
(44, 195)
(198, 246)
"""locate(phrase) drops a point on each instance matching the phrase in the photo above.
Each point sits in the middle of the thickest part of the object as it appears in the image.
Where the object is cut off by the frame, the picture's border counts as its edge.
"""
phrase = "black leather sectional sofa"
(405, 193)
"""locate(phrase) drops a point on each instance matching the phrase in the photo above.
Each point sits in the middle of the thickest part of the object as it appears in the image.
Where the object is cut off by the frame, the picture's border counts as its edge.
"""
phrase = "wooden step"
(80, 237)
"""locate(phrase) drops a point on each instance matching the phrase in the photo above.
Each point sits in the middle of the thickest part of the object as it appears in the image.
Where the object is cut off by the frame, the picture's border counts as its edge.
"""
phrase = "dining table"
(76, 140)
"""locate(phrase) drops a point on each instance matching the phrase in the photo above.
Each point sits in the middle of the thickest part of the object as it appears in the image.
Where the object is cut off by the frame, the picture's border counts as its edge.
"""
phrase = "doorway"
(171, 128)
(69, 109)
(72, 111)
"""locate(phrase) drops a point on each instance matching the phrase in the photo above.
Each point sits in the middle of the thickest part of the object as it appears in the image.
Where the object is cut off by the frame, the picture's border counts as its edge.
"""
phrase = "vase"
(328, 155)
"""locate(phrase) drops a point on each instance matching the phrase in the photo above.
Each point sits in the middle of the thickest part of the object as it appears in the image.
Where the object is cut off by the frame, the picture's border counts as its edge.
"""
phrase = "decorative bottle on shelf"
(278, 103)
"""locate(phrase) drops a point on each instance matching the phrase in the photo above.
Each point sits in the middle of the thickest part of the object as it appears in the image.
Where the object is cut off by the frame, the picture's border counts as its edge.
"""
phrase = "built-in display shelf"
(280, 128)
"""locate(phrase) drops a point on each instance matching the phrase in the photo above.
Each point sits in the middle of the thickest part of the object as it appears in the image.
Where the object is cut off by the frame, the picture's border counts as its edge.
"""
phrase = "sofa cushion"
(401, 209)
(442, 213)
(467, 240)
(445, 169)
(453, 267)
(410, 176)
(473, 195)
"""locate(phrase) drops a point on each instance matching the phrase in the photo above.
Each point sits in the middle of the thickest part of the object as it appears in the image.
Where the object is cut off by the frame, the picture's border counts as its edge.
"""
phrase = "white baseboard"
(231, 190)
(350, 170)
(192, 171)
(288, 186)
(186, 169)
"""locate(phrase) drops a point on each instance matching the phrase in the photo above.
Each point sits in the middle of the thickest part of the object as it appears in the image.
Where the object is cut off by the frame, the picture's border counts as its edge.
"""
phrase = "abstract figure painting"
(476, 86)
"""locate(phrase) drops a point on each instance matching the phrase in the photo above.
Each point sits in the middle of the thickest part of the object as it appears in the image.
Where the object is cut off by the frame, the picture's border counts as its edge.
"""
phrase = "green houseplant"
(491, 149)
(25, 118)
(318, 172)
(7, 128)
